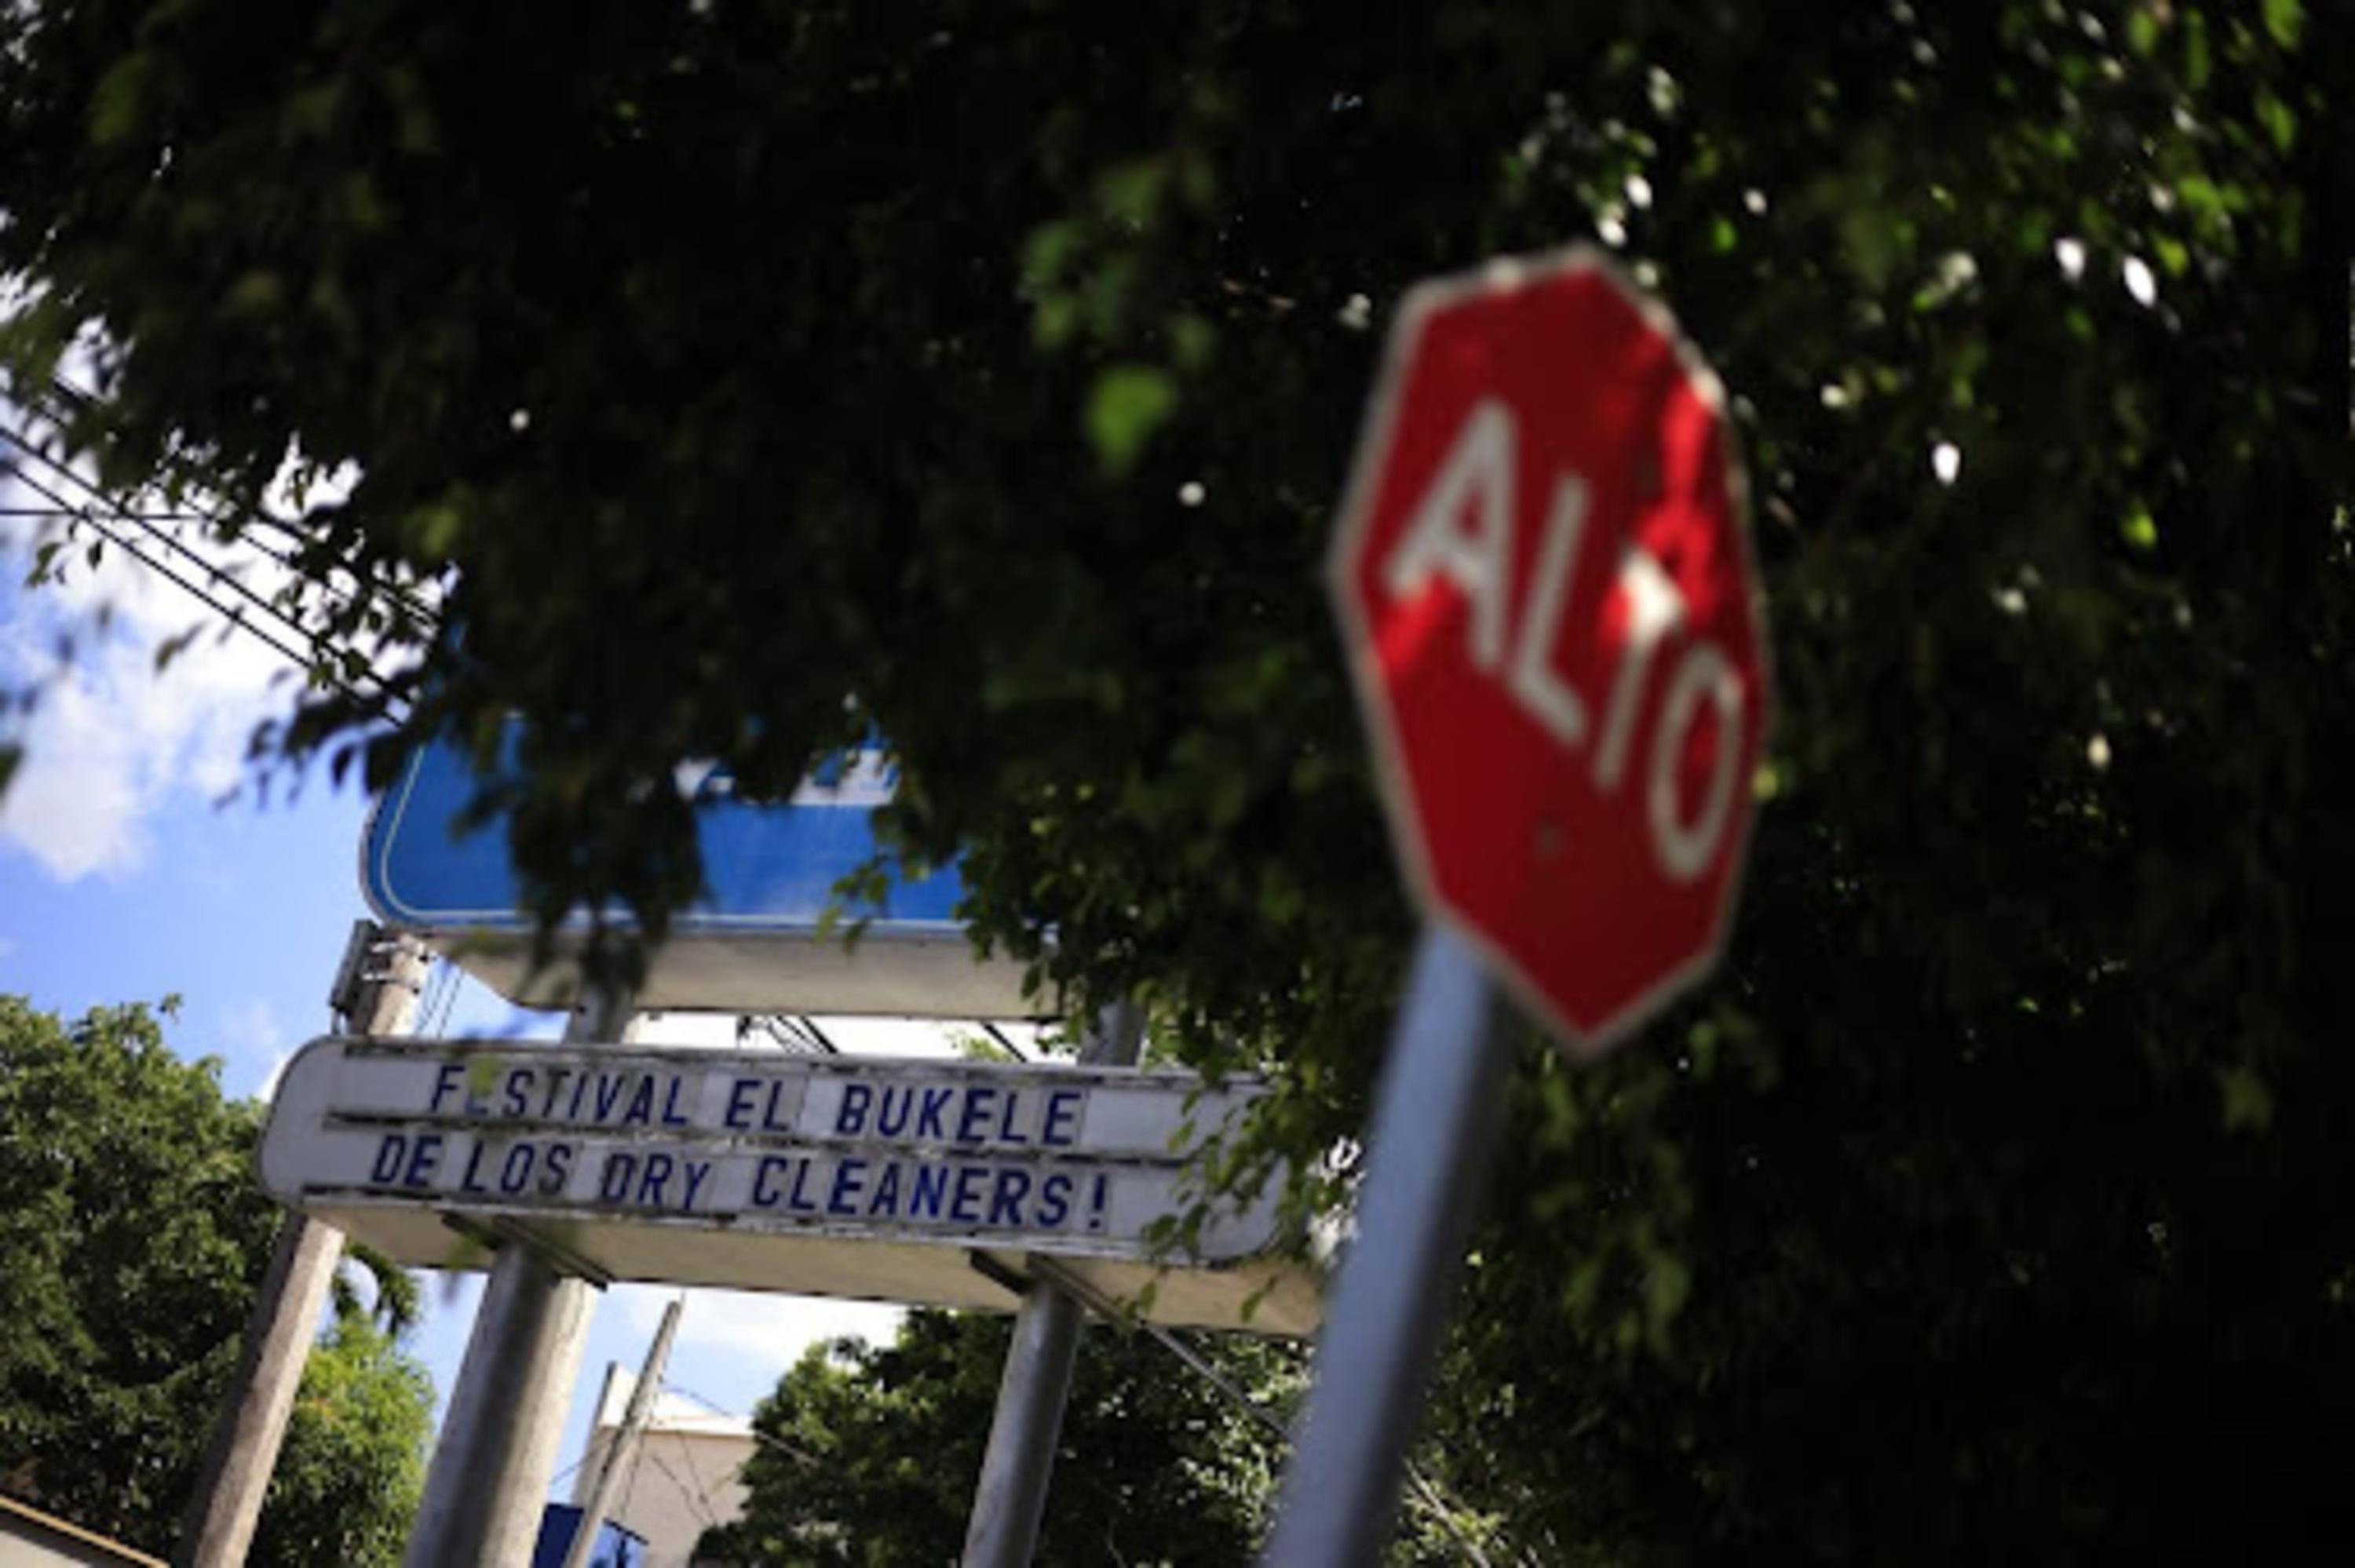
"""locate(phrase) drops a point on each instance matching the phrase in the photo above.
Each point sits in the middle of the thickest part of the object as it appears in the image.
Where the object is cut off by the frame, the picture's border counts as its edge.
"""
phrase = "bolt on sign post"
(1543, 574)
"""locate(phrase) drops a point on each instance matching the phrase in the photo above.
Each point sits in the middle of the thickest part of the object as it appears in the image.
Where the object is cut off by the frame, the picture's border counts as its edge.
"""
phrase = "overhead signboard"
(863, 1177)
(761, 940)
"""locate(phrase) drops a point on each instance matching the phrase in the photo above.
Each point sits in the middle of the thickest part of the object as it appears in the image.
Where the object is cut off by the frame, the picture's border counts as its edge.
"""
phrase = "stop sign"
(1543, 573)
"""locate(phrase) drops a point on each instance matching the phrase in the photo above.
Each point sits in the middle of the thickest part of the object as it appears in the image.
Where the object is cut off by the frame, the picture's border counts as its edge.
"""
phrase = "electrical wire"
(323, 646)
(236, 617)
(222, 518)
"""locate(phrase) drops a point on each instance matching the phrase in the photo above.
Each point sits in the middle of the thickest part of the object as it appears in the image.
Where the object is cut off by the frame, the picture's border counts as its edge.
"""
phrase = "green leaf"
(2278, 118)
(2140, 529)
(120, 104)
(2248, 1102)
(1127, 406)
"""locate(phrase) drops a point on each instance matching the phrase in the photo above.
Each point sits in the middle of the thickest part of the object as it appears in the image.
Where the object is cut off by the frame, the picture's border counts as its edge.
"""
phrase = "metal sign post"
(1428, 1155)
(1011, 1494)
(490, 1470)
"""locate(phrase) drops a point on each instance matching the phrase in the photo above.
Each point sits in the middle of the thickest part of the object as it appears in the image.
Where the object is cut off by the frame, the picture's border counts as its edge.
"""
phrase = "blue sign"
(759, 940)
(767, 867)
(615, 1548)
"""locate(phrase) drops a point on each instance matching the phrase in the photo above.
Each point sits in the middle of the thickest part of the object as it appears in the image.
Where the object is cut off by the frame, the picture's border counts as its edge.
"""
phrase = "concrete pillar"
(386, 972)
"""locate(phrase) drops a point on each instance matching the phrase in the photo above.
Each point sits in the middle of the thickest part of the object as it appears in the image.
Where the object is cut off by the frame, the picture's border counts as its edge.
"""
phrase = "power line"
(152, 524)
(254, 517)
(236, 617)
(324, 661)
(218, 574)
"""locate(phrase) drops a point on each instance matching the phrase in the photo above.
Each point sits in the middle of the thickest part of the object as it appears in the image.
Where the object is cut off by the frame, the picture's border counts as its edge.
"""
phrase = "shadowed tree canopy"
(754, 375)
(867, 1454)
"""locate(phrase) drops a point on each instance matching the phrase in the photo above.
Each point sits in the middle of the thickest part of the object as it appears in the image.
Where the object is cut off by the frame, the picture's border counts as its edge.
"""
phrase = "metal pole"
(386, 972)
(1010, 1496)
(633, 1421)
(488, 1482)
(1428, 1155)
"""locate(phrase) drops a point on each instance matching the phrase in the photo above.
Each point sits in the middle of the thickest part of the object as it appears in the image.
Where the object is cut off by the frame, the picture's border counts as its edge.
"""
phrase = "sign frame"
(766, 942)
(401, 1143)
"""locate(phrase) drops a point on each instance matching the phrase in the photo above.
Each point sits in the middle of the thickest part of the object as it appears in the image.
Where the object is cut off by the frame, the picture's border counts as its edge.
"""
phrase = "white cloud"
(761, 1335)
(111, 739)
(250, 1033)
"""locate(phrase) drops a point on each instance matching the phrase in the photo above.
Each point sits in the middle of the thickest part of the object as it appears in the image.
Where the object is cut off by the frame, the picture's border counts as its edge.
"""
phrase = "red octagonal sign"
(1543, 570)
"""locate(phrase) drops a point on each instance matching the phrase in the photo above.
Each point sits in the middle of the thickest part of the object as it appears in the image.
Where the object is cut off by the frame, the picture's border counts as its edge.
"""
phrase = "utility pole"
(1010, 1497)
(375, 993)
(488, 1482)
(625, 1437)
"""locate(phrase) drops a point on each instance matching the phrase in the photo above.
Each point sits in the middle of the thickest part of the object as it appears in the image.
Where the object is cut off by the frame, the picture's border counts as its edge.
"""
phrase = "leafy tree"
(867, 1454)
(994, 368)
(352, 1470)
(135, 1235)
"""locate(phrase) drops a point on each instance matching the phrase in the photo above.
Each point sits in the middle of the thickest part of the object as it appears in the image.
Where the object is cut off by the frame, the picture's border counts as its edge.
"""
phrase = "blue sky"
(124, 877)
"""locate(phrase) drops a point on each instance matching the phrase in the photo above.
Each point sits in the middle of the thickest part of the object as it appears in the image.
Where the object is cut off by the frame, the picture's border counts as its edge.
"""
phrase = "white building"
(683, 1475)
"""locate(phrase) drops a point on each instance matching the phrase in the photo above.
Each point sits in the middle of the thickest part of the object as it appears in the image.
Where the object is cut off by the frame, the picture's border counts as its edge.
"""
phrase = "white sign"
(754, 1170)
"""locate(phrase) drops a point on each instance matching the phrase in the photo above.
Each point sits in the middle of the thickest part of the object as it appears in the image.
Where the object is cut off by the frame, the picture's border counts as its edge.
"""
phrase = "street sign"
(1543, 575)
(859, 1177)
(758, 942)
(1543, 571)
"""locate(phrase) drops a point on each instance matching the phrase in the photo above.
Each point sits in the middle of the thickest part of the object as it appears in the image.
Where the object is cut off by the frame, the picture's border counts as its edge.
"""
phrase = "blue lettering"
(849, 1175)
(556, 1079)
(613, 1184)
(965, 1204)
(514, 1174)
(424, 1159)
(899, 1105)
(698, 1172)
(445, 1079)
(976, 1113)
(1006, 1122)
(852, 1117)
(1054, 1199)
(799, 1202)
(518, 1102)
(641, 1105)
(931, 1118)
(1005, 1197)
(769, 1115)
(928, 1191)
(671, 1117)
(609, 1095)
(739, 1104)
(654, 1180)
(558, 1169)
(886, 1200)
(1061, 1127)
(388, 1159)
(765, 1196)
(469, 1183)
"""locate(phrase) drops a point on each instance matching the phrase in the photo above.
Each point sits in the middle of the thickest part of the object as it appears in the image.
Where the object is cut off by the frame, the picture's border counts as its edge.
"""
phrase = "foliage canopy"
(135, 1235)
(755, 373)
(868, 1453)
